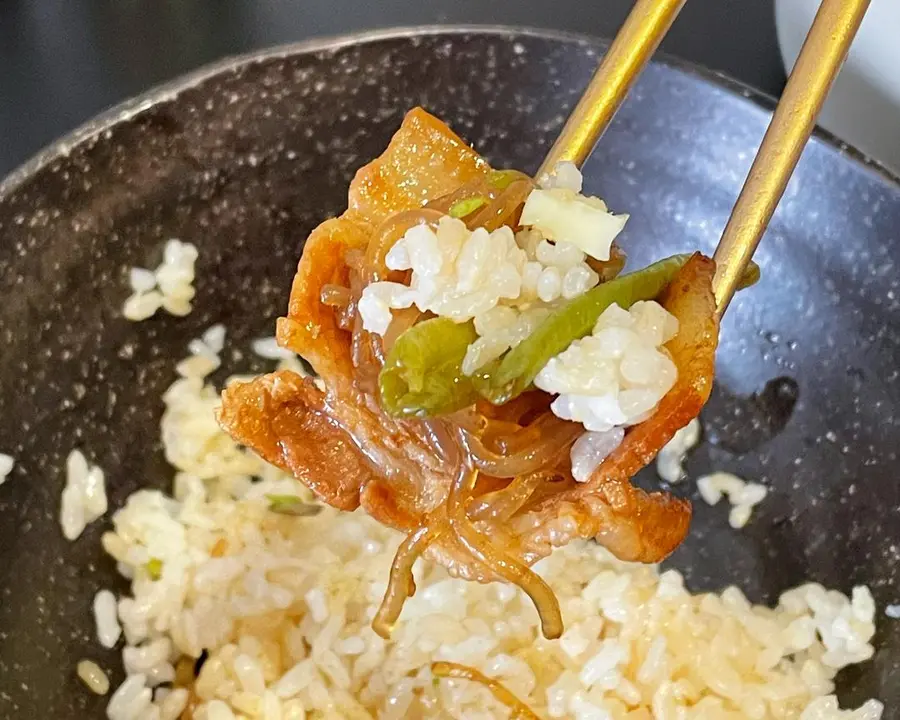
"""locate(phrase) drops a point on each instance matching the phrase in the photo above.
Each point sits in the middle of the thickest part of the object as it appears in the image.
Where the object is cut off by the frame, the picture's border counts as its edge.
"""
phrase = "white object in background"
(863, 108)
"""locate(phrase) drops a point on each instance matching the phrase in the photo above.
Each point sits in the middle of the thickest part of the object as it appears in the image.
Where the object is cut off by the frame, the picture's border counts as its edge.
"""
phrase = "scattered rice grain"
(83, 497)
(106, 618)
(92, 675)
(169, 287)
(670, 460)
(742, 495)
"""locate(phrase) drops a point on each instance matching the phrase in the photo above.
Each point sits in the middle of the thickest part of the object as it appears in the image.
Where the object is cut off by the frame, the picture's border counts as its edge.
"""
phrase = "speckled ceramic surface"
(244, 160)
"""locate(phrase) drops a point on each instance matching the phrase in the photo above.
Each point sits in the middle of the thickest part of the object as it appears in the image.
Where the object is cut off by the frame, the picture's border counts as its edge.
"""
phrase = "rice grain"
(169, 287)
(105, 618)
(84, 495)
(93, 677)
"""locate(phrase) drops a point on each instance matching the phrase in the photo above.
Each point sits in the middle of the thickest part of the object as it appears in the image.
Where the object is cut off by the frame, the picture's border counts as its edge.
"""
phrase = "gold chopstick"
(636, 41)
(814, 72)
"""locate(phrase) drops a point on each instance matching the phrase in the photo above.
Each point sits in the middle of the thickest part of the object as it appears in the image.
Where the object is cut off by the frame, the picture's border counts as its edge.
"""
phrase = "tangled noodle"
(499, 562)
(401, 584)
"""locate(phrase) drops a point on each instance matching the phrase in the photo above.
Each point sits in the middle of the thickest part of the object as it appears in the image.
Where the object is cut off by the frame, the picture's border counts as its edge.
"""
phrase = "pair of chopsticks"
(823, 52)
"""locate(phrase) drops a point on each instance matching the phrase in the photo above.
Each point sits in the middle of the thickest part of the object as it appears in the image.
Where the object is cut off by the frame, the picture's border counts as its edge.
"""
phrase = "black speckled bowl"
(244, 158)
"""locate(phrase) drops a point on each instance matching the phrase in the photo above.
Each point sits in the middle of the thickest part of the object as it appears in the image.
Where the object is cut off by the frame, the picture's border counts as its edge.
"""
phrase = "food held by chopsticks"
(492, 380)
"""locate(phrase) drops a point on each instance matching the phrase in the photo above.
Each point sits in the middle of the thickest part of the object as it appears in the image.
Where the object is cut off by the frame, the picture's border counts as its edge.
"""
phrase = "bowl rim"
(169, 90)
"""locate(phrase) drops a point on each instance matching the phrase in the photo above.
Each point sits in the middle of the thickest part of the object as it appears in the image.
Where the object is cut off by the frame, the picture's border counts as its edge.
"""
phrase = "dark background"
(63, 61)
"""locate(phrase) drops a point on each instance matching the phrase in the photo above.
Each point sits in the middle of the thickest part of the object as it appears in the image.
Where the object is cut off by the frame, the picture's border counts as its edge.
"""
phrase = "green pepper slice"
(422, 374)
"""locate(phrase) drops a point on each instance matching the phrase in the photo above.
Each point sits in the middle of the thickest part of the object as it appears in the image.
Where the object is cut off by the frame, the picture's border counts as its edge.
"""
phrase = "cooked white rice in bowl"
(278, 607)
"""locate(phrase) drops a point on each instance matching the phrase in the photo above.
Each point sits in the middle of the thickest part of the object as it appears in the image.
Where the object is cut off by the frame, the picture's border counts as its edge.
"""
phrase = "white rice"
(892, 611)
(169, 287)
(670, 460)
(130, 700)
(214, 338)
(456, 273)
(616, 376)
(283, 607)
(7, 463)
(742, 495)
(105, 617)
(83, 497)
(462, 274)
(92, 675)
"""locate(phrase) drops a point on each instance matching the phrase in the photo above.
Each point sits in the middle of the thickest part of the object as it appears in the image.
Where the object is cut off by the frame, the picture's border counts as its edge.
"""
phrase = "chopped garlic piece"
(560, 214)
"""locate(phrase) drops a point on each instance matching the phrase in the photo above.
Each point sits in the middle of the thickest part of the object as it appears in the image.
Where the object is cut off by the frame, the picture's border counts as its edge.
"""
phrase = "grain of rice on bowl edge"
(280, 608)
